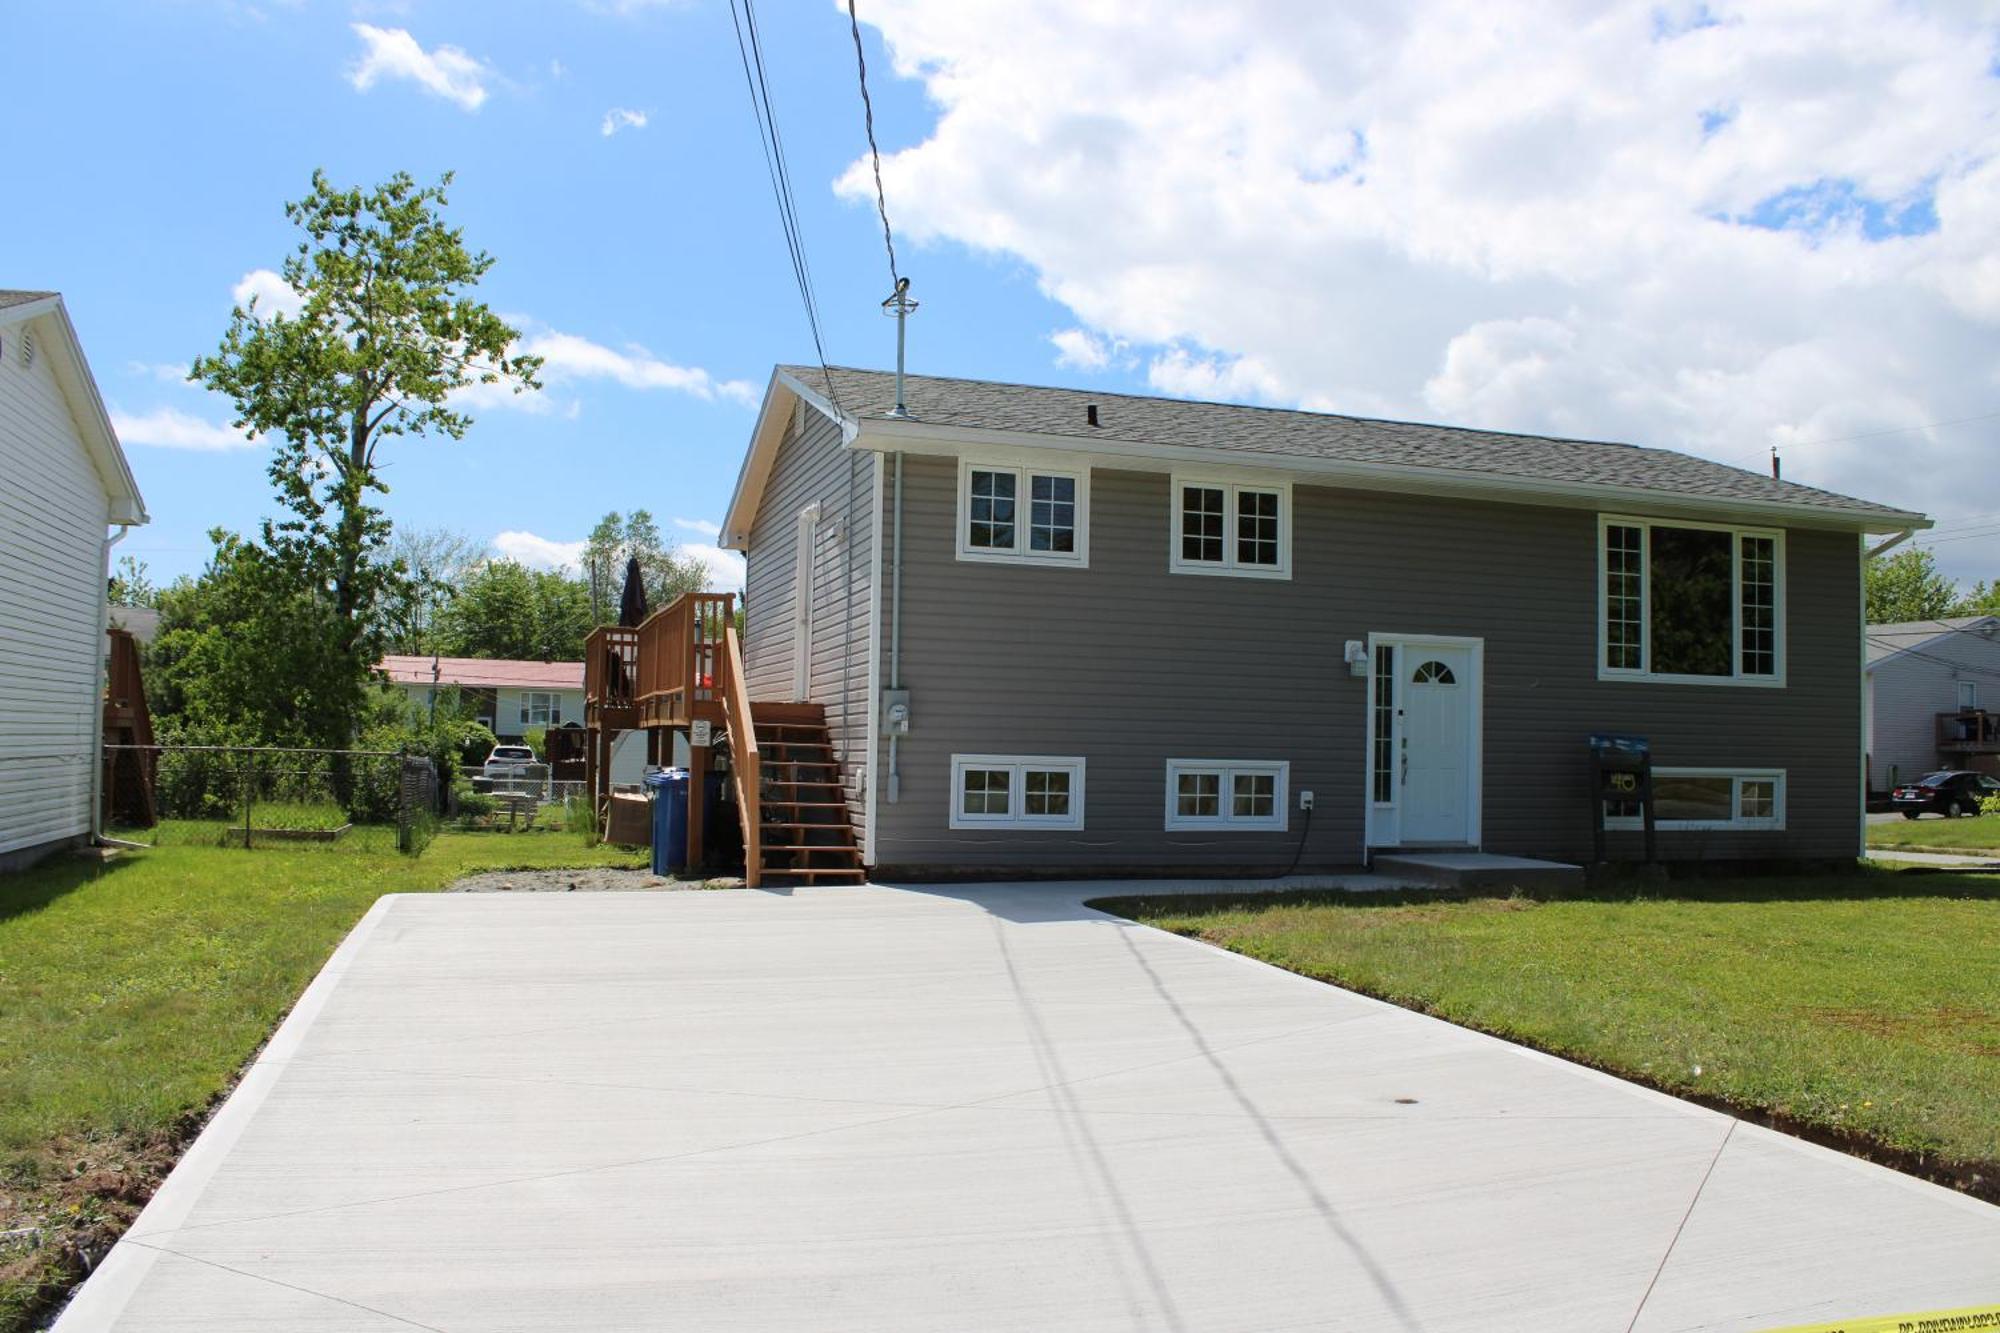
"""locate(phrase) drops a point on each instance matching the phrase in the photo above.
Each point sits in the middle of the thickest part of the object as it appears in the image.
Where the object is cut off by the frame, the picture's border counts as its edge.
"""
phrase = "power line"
(751, 51)
(874, 153)
(1894, 430)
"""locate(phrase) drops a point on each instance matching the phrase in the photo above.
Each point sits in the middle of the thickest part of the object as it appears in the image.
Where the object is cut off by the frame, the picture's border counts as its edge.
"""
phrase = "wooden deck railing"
(746, 762)
(1969, 731)
(611, 667)
(680, 660)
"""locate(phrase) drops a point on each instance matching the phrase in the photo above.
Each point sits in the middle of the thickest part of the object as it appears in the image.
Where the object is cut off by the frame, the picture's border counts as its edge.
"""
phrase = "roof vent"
(1090, 413)
(27, 349)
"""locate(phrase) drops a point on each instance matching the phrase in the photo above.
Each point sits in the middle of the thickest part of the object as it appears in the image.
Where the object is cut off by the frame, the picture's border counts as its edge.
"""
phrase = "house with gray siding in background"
(1931, 695)
(1063, 631)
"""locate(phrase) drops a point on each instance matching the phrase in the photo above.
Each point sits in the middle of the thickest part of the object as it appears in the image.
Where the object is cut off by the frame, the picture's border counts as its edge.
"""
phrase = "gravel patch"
(602, 879)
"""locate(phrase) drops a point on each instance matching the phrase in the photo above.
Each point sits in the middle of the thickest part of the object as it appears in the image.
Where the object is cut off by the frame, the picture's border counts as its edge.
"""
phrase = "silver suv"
(509, 761)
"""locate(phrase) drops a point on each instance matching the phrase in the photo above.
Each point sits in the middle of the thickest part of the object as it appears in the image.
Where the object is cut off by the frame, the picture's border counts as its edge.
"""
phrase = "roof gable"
(44, 314)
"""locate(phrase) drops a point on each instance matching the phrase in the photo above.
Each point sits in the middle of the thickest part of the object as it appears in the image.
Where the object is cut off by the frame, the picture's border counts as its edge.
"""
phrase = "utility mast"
(901, 307)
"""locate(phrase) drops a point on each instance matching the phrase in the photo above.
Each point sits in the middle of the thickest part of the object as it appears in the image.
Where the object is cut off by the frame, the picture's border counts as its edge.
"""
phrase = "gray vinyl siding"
(1911, 689)
(1127, 666)
(813, 465)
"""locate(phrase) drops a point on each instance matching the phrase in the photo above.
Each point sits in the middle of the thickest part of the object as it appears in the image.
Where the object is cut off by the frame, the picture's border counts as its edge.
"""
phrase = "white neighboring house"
(511, 696)
(1931, 689)
(66, 483)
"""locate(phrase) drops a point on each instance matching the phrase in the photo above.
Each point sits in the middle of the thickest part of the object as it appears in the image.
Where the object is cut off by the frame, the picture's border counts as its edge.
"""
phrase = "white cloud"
(539, 552)
(171, 428)
(701, 525)
(443, 71)
(273, 295)
(619, 118)
(567, 358)
(725, 568)
(1598, 221)
(1080, 349)
(166, 372)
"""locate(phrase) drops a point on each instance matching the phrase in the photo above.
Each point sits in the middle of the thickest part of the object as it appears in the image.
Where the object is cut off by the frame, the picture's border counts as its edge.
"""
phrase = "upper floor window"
(1026, 514)
(1227, 527)
(1690, 602)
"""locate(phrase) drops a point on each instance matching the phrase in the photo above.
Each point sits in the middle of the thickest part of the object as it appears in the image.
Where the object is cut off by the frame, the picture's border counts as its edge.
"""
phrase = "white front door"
(1432, 782)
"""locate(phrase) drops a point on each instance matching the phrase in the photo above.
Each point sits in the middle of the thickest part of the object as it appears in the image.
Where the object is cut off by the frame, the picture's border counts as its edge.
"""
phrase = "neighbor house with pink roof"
(508, 696)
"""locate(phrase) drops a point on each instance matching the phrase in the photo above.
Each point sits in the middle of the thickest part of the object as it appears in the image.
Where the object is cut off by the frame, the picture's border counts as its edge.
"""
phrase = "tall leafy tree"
(504, 609)
(132, 584)
(387, 331)
(430, 564)
(619, 538)
(1908, 586)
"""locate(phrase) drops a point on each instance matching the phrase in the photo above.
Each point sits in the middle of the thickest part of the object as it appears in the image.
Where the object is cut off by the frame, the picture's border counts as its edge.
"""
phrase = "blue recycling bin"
(669, 790)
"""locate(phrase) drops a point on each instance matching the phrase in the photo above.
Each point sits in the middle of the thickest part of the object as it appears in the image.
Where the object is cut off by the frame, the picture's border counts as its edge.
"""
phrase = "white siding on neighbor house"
(507, 714)
(53, 516)
(1910, 689)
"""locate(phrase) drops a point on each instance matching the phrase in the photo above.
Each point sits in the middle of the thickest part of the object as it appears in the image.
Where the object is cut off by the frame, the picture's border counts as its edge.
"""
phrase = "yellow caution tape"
(1930, 1321)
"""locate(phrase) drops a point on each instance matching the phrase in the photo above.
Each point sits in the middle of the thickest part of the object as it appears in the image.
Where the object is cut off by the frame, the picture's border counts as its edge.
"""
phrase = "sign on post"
(701, 733)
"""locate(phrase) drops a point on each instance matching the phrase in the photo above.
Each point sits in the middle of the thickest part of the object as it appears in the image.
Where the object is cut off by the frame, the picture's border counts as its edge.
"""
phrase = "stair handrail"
(745, 760)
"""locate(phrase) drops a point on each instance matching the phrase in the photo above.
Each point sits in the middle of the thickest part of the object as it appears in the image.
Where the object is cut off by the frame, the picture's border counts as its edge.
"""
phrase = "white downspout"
(895, 784)
(97, 695)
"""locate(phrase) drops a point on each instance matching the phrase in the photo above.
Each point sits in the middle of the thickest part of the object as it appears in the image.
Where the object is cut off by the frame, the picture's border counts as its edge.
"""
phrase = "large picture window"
(1226, 794)
(1023, 514)
(540, 709)
(1016, 791)
(1690, 602)
(1229, 527)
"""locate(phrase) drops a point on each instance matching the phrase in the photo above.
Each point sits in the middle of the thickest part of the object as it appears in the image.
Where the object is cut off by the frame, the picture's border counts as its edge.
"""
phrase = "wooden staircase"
(804, 834)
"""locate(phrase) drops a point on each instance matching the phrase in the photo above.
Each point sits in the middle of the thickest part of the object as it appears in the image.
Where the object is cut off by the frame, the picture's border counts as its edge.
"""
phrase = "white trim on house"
(1018, 766)
(1774, 822)
(1382, 826)
(1226, 772)
(877, 540)
(1231, 485)
(805, 589)
(1024, 471)
(1646, 524)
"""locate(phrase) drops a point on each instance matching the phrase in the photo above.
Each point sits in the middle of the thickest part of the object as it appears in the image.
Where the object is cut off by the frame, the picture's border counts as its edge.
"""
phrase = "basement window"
(1226, 794)
(1016, 791)
(1694, 799)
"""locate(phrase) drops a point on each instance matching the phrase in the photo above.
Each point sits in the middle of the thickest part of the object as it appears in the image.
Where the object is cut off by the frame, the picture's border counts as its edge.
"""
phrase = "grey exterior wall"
(813, 466)
(1911, 690)
(1128, 665)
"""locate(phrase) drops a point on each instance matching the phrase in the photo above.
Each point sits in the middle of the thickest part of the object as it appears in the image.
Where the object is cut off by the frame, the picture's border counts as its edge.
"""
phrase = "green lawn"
(1867, 1005)
(1979, 833)
(132, 992)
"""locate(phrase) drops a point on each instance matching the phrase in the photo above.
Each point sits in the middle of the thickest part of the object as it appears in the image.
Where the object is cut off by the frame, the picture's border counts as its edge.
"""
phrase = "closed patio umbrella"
(632, 603)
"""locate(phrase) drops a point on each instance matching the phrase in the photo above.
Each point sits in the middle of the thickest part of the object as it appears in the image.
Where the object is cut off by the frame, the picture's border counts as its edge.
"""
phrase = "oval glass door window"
(1433, 673)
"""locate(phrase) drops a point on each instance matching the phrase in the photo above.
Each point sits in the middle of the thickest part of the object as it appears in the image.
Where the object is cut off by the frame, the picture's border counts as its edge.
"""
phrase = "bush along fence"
(268, 796)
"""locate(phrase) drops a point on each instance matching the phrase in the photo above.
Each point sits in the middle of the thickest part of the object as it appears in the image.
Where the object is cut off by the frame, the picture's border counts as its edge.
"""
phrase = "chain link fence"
(266, 796)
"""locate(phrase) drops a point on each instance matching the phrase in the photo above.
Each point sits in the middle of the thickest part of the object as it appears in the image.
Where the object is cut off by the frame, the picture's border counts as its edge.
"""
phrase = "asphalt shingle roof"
(1895, 636)
(9, 296)
(1280, 433)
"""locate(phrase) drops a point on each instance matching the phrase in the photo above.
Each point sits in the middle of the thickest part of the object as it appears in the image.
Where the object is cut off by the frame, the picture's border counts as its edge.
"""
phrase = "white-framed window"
(1030, 791)
(1233, 528)
(540, 709)
(1023, 512)
(1690, 603)
(1227, 793)
(1968, 695)
(1692, 799)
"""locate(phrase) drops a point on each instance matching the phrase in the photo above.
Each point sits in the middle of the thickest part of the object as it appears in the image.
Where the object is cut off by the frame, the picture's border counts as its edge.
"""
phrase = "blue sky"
(171, 134)
(1706, 226)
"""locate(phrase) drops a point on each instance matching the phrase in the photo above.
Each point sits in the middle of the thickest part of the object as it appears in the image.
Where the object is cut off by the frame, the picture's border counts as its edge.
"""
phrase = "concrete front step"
(1476, 870)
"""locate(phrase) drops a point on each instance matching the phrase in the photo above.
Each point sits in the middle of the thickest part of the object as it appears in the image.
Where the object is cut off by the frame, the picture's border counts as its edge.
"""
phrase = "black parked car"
(1947, 792)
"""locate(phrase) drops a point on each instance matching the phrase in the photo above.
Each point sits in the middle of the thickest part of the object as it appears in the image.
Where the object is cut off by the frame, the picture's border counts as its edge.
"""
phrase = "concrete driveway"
(876, 1109)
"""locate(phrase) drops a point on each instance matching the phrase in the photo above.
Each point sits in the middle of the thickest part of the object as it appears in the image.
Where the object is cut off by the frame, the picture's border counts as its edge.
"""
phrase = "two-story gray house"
(1057, 630)
(1921, 698)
